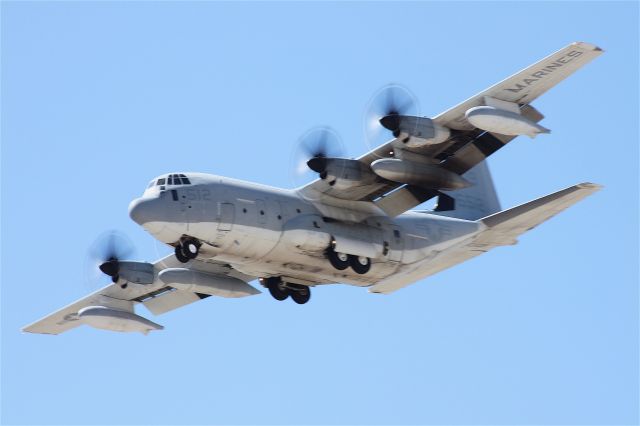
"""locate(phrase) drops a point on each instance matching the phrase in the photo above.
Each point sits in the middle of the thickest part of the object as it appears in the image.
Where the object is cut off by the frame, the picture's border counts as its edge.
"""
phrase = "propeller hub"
(391, 122)
(110, 267)
(317, 164)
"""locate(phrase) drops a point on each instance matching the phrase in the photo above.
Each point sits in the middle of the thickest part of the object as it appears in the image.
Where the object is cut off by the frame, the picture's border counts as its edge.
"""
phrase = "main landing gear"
(187, 249)
(281, 290)
(342, 261)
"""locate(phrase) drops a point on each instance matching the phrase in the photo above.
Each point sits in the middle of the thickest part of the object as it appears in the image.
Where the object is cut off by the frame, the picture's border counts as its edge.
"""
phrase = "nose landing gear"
(187, 249)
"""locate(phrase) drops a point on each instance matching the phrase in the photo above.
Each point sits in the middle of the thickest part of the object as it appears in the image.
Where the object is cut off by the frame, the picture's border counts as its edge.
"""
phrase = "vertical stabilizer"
(477, 201)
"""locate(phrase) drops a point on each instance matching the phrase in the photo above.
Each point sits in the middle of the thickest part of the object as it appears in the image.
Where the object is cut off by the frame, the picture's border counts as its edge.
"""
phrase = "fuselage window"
(161, 181)
(174, 194)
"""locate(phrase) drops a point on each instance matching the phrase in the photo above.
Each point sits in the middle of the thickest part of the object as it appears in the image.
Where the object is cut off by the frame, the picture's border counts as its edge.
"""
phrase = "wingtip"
(590, 185)
(587, 46)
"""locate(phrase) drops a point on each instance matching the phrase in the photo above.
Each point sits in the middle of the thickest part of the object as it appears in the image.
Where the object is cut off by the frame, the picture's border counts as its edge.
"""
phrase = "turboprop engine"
(415, 132)
(343, 173)
(130, 271)
(419, 174)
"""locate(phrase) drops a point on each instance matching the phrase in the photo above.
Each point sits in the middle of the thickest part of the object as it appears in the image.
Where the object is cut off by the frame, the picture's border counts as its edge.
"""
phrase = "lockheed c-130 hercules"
(353, 224)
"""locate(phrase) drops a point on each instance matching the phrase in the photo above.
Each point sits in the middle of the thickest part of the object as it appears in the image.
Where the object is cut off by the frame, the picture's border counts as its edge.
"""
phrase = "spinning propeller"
(106, 253)
(387, 103)
(311, 153)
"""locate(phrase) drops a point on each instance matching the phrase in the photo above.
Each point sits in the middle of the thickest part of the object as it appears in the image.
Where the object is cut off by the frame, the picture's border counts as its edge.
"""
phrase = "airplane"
(353, 224)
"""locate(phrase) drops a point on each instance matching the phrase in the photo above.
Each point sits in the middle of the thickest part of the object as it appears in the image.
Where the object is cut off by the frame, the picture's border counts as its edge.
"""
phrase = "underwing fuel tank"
(503, 122)
(423, 175)
(116, 320)
(202, 282)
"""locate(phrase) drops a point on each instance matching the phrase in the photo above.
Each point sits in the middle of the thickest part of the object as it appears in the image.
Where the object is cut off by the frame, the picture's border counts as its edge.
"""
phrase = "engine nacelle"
(136, 272)
(202, 282)
(415, 132)
(111, 319)
(342, 173)
(503, 122)
(419, 174)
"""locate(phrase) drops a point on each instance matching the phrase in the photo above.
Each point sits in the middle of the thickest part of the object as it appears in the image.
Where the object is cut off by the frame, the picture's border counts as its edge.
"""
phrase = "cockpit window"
(173, 179)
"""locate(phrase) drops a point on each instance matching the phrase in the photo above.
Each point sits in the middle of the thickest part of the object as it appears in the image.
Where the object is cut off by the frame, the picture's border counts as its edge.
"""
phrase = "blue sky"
(99, 97)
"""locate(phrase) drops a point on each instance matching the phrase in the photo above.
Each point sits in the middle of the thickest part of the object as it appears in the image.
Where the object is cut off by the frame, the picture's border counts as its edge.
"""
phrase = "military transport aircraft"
(353, 224)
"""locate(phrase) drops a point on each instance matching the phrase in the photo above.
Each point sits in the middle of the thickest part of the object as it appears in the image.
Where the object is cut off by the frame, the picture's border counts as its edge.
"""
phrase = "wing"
(466, 146)
(158, 297)
(502, 228)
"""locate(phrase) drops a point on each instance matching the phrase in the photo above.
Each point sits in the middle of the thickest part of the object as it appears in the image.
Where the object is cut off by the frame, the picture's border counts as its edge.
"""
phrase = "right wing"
(502, 228)
(467, 145)
(157, 296)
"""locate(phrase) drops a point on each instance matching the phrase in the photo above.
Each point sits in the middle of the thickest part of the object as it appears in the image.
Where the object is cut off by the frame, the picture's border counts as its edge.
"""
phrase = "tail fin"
(477, 201)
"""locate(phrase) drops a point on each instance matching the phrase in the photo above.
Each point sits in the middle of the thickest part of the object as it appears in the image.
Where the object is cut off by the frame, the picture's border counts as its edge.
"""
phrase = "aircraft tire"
(301, 294)
(190, 248)
(278, 291)
(180, 255)
(360, 265)
(340, 261)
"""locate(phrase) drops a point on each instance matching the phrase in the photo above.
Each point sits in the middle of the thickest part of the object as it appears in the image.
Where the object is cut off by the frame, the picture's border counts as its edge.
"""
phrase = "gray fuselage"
(270, 232)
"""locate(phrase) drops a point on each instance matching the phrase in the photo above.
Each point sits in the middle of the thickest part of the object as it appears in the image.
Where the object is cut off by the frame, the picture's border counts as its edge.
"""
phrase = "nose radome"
(140, 211)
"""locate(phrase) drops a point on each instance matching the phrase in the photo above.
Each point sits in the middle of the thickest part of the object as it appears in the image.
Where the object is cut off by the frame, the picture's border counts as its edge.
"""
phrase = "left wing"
(467, 145)
(158, 297)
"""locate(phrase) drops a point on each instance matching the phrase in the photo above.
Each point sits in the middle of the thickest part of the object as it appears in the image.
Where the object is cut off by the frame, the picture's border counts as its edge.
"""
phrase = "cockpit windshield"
(175, 179)
(170, 180)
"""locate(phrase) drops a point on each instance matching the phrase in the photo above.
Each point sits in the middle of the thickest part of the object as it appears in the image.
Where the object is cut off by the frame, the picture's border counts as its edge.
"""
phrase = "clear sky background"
(99, 97)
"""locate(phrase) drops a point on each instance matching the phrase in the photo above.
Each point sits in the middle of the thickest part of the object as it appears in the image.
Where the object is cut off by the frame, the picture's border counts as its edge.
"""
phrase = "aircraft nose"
(141, 210)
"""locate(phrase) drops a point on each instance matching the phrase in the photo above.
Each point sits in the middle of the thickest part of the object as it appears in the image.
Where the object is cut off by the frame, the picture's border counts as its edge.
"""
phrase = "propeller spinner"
(108, 250)
(312, 151)
(383, 110)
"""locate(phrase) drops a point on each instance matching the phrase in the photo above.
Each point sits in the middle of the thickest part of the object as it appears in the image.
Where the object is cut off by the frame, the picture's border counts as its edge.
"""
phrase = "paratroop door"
(226, 213)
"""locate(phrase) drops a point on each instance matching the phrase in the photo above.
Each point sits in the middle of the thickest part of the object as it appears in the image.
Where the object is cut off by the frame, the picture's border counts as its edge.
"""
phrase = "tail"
(504, 227)
(472, 203)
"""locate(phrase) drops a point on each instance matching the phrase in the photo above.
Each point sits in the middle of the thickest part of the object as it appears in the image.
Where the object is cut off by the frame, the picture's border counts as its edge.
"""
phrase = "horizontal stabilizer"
(501, 228)
(504, 227)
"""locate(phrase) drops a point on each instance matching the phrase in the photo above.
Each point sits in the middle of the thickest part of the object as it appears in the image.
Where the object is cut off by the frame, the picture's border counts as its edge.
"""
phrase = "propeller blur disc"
(392, 99)
(103, 255)
(316, 143)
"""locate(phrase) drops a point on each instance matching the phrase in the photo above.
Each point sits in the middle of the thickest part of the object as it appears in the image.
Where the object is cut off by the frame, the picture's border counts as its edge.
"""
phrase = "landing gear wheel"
(360, 264)
(301, 294)
(180, 256)
(278, 289)
(190, 248)
(340, 261)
